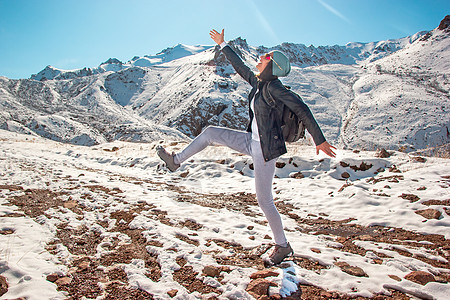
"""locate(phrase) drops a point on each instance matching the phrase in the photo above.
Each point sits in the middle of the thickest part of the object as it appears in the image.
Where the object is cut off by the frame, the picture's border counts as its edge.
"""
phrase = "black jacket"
(269, 118)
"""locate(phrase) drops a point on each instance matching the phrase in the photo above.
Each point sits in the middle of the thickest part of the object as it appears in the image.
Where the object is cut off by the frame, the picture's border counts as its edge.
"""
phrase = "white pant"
(242, 142)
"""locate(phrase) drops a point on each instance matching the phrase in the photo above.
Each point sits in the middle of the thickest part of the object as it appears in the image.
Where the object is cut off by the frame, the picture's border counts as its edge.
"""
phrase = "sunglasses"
(269, 57)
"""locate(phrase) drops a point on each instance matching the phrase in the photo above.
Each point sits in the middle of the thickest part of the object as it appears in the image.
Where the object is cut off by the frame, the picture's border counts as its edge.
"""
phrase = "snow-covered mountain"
(392, 94)
(115, 65)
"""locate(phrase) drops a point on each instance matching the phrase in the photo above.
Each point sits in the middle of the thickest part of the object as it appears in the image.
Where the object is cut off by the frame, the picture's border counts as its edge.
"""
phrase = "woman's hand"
(326, 148)
(217, 37)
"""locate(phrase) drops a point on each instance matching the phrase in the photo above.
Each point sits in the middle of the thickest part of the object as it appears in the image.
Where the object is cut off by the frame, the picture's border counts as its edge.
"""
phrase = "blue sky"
(84, 33)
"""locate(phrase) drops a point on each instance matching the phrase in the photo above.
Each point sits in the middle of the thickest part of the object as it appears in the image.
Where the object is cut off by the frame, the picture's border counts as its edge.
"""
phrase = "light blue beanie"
(281, 65)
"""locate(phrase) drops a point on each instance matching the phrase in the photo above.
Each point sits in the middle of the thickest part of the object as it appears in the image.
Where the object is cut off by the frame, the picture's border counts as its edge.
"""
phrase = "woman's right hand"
(217, 37)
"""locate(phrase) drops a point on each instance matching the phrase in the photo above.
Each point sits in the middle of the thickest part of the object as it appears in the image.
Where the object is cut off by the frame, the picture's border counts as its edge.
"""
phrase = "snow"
(90, 134)
(33, 162)
(358, 93)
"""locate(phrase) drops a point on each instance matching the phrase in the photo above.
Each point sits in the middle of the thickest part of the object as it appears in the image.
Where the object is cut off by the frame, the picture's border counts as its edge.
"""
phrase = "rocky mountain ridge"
(359, 94)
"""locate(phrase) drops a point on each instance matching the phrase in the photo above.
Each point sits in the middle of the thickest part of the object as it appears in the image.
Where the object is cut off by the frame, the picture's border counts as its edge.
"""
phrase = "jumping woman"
(263, 140)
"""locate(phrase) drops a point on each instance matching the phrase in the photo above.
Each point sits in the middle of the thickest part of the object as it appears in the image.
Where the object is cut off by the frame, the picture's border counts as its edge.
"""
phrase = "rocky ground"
(92, 276)
(97, 244)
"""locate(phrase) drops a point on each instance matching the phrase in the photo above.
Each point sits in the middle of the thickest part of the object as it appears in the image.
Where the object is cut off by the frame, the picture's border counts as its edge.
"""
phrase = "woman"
(263, 140)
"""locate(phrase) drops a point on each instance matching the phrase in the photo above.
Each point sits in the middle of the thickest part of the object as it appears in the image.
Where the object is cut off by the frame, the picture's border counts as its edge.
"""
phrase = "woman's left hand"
(326, 148)
(219, 38)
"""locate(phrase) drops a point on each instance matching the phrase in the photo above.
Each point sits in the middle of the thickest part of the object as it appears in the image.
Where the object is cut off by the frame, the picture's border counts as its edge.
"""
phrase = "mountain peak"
(445, 24)
(113, 61)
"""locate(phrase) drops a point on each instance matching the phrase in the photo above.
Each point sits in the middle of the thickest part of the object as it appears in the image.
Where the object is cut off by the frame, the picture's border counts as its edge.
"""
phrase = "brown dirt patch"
(84, 283)
(187, 277)
(241, 257)
(116, 291)
(36, 201)
(315, 293)
(79, 241)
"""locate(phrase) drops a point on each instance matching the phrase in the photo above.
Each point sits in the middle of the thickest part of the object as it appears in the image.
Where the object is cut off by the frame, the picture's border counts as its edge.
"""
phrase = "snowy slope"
(350, 54)
(75, 111)
(403, 99)
(391, 94)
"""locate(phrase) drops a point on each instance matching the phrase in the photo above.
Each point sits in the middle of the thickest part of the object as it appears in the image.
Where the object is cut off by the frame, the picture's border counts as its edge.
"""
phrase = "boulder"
(52, 277)
(352, 270)
(429, 213)
(420, 277)
(264, 274)
(63, 281)
(259, 287)
(212, 271)
(3, 285)
(345, 175)
(172, 293)
(382, 153)
(411, 197)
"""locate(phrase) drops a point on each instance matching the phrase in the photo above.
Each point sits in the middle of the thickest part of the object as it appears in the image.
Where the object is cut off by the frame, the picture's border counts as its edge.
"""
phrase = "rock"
(362, 167)
(63, 281)
(420, 277)
(297, 175)
(365, 237)
(211, 271)
(315, 250)
(352, 270)
(344, 186)
(280, 165)
(259, 287)
(345, 175)
(378, 261)
(410, 197)
(52, 277)
(344, 164)
(419, 159)
(70, 204)
(326, 294)
(84, 265)
(264, 274)
(394, 169)
(382, 153)
(172, 293)
(429, 213)
(445, 23)
(341, 239)
(3, 285)
(395, 277)
(6, 231)
(184, 174)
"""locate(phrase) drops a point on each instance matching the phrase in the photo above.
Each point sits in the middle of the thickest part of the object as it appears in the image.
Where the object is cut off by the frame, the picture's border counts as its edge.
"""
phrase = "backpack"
(292, 127)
